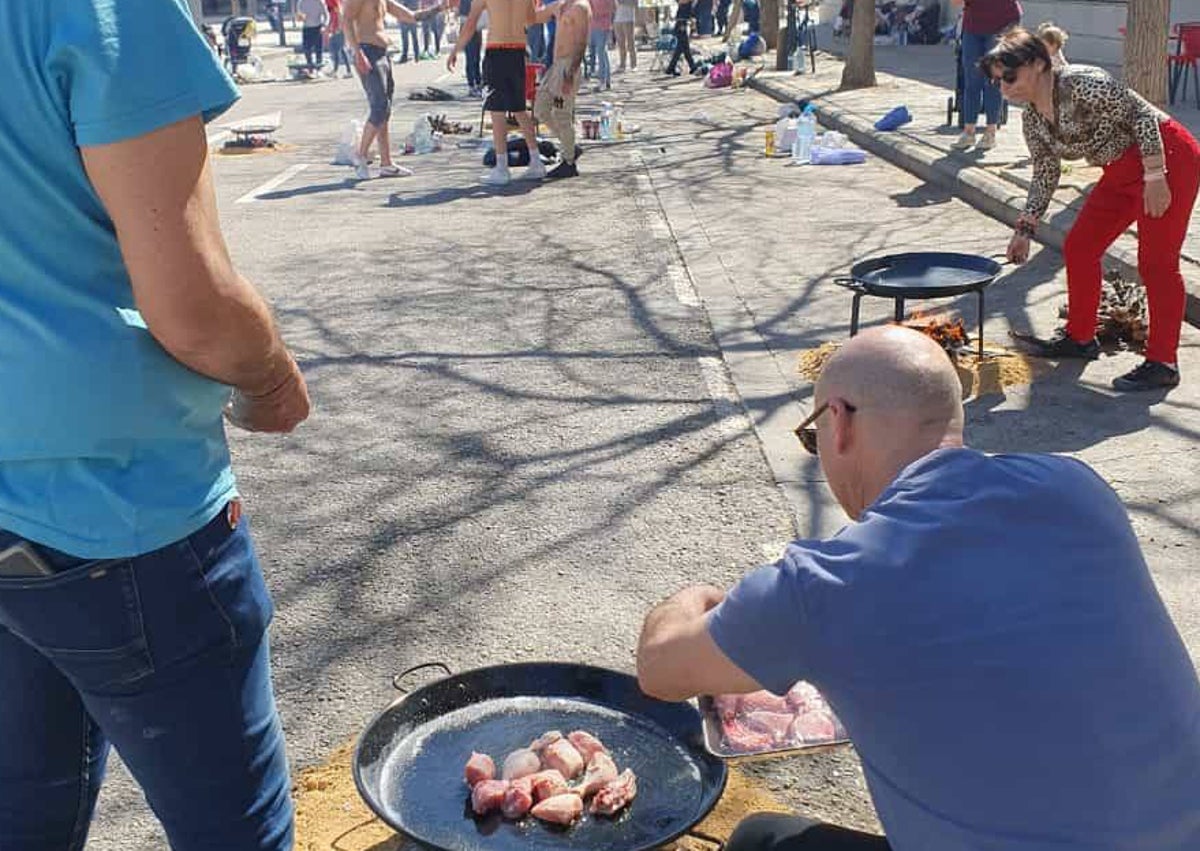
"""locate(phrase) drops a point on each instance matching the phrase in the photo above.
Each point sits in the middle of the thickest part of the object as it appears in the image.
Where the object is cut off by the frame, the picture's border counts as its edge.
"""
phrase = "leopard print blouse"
(1098, 119)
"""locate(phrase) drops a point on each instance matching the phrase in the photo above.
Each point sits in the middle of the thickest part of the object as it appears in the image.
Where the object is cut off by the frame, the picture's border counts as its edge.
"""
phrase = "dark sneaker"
(1150, 375)
(563, 169)
(1060, 346)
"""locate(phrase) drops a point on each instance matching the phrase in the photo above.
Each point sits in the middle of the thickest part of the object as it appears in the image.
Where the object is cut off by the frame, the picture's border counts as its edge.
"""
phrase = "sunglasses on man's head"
(806, 432)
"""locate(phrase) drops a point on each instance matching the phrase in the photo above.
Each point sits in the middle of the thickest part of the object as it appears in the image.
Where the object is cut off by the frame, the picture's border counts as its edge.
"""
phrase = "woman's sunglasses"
(806, 432)
(1008, 76)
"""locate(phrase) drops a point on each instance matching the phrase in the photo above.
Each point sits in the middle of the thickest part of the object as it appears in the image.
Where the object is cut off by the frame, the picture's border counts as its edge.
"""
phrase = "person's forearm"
(348, 29)
(220, 329)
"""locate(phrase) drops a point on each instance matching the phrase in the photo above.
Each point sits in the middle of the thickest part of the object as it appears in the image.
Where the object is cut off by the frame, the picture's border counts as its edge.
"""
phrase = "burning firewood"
(945, 329)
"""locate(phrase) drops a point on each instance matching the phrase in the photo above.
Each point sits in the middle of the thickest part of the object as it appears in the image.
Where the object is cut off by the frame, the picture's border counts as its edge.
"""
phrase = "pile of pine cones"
(1122, 318)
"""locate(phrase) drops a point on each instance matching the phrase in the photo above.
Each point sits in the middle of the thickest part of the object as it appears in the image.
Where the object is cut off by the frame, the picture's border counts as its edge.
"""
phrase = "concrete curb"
(1001, 199)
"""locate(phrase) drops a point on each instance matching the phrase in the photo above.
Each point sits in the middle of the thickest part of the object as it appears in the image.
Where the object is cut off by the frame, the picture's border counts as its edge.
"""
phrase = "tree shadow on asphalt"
(463, 464)
(449, 194)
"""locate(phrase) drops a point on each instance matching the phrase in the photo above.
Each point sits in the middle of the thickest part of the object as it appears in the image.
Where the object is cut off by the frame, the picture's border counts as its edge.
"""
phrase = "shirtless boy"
(504, 77)
(363, 23)
(555, 103)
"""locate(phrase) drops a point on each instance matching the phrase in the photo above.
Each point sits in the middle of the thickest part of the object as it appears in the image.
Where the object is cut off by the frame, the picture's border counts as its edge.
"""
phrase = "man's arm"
(678, 659)
(467, 32)
(542, 14)
(158, 191)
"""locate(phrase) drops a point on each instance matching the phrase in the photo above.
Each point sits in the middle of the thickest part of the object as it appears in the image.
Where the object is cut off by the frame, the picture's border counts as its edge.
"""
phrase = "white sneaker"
(497, 176)
(986, 142)
(963, 142)
(362, 172)
(395, 171)
(536, 170)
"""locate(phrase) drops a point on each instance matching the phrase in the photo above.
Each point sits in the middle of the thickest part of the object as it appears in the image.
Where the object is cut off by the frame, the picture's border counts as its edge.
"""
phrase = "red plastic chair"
(1185, 61)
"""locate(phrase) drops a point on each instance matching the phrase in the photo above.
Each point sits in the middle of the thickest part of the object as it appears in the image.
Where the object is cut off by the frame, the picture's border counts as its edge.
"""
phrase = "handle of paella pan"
(398, 679)
(704, 837)
(848, 283)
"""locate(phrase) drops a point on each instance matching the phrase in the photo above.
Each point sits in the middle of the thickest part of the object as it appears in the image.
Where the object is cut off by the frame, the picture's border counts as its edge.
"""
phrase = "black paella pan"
(409, 762)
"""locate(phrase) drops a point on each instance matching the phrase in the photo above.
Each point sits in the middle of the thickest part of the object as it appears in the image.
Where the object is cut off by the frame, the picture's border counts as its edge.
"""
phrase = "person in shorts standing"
(504, 76)
(315, 16)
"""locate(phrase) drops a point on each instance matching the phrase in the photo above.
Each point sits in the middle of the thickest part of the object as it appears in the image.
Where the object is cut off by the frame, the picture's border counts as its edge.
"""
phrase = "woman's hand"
(1156, 197)
(1018, 248)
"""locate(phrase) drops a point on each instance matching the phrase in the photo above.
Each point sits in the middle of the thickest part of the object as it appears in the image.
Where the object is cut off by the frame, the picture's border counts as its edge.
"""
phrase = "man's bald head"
(907, 401)
(896, 372)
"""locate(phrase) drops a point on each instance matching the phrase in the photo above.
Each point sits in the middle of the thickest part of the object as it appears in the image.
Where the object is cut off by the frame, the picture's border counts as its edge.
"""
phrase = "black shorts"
(504, 76)
(379, 85)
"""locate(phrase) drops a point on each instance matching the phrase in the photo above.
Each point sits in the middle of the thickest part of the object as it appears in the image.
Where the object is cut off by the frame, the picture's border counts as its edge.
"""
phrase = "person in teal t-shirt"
(133, 612)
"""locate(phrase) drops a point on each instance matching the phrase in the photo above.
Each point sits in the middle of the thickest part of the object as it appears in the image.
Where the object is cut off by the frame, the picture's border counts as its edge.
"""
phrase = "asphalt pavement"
(540, 409)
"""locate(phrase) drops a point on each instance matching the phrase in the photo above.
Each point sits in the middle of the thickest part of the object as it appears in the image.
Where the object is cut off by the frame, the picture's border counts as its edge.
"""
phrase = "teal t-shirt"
(108, 446)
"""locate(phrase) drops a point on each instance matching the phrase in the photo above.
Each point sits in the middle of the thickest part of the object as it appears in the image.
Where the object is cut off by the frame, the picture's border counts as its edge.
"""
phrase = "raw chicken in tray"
(762, 723)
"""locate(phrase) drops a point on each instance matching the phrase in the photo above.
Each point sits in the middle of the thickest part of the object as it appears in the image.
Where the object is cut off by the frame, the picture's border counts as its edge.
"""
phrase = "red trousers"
(1112, 206)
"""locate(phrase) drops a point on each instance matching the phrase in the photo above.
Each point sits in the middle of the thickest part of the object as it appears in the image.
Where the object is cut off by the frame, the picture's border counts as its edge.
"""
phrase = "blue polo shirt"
(992, 640)
(108, 446)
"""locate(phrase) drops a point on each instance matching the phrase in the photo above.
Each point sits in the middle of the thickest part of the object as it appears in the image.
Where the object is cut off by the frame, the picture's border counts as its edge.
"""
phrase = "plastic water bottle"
(606, 121)
(798, 60)
(806, 131)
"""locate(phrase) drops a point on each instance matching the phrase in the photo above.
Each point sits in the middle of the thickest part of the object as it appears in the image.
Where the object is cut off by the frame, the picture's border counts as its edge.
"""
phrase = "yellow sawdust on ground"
(330, 815)
(992, 374)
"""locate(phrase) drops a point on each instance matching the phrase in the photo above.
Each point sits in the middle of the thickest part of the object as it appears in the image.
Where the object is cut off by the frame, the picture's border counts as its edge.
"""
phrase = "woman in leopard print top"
(1151, 177)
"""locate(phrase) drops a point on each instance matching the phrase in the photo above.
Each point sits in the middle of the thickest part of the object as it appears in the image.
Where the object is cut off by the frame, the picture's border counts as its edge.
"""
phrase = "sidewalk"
(922, 77)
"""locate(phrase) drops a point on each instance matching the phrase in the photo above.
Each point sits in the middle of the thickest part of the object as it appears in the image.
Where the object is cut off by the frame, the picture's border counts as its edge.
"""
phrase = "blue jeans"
(409, 31)
(535, 43)
(432, 30)
(337, 47)
(977, 91)
(598, 50)
(473, 52)
(163, 656)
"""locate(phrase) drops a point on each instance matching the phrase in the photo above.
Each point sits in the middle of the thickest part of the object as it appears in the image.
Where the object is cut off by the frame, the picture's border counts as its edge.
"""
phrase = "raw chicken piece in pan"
(616, 795)
(548, 738)
(520, 763)
(560, 809)
(488, 795)
(601, 771)
(479, 767)
(518, 799)
(547, 784)
(586, 744)
(562, 757)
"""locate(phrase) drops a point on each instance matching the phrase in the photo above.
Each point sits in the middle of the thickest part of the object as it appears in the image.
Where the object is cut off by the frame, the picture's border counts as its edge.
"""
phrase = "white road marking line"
(275, 182)
(681, 281)
(732, 419)
(218, 138)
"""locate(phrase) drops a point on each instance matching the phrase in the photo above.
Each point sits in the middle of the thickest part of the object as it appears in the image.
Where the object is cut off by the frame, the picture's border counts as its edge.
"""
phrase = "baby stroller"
(239, 39)
(954, 102)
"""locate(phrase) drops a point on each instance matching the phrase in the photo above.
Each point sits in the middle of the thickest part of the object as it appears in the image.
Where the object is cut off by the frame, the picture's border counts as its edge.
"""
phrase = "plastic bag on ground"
(348, 143)
(836, 156)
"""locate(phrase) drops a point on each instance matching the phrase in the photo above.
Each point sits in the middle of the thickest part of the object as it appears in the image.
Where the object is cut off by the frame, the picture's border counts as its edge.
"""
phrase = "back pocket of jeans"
(86, 620)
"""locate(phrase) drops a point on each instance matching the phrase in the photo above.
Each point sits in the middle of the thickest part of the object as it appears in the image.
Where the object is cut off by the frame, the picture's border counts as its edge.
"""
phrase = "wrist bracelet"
(1155, 176)
(1024, 227)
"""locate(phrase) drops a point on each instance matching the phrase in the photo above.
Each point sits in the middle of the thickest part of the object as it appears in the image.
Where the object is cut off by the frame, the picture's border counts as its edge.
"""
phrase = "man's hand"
(1156, 198)
(452, 59)
(1018, 248)
(361, 62)
(280, 409)
(676, 657)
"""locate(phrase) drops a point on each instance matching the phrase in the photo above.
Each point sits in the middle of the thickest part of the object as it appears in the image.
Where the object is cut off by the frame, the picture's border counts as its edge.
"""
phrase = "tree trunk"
(770, 23)
(734, 26)
(1147, 23)
(859, 70)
